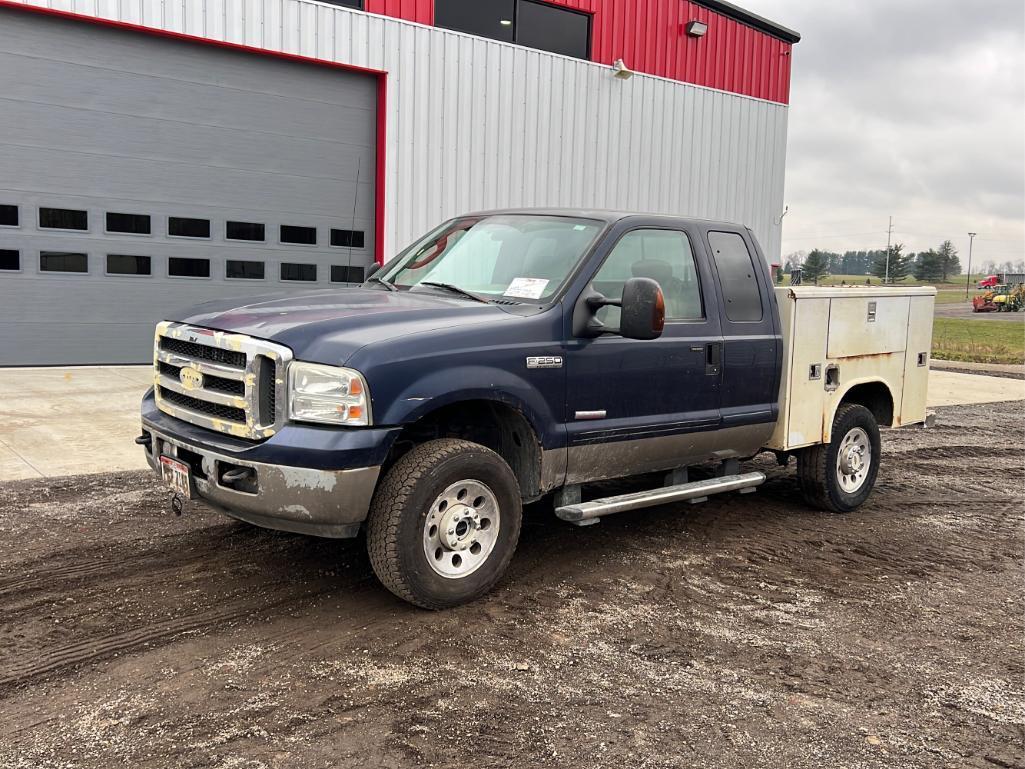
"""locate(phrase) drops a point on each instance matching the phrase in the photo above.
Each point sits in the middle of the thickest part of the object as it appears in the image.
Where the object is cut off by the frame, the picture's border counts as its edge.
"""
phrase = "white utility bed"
(837, 338)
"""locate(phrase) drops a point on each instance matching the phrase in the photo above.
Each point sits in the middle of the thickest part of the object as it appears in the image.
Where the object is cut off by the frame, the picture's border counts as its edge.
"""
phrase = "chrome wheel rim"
(853, 460)
(461, 529)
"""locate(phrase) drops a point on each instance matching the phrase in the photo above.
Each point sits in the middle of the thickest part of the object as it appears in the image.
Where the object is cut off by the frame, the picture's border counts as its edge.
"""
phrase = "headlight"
(327, 394)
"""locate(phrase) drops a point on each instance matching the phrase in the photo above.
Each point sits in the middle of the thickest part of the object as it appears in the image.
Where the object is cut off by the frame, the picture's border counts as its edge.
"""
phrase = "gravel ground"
(748, 631)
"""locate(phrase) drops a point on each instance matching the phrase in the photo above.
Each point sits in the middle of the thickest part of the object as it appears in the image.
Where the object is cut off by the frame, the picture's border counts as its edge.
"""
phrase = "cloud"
(910, 108)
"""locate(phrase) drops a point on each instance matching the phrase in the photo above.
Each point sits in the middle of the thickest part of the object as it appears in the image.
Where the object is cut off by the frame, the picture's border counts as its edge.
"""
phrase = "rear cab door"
(752, 337)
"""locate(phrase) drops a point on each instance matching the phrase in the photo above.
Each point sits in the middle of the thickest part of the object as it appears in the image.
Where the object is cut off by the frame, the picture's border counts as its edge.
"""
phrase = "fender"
(840, 396)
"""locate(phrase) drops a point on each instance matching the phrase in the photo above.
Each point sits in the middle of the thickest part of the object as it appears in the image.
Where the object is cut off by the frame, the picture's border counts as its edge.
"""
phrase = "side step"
(582, 513)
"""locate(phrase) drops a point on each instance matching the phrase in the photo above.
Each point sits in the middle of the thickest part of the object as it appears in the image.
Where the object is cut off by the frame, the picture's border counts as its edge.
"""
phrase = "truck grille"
(226, 382)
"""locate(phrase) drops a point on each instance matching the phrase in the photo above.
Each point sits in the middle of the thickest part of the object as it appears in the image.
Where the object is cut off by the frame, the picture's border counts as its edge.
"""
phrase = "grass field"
(970, 340)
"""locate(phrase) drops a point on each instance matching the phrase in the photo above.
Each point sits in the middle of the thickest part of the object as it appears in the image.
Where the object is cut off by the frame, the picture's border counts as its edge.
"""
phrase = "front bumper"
(325, 503)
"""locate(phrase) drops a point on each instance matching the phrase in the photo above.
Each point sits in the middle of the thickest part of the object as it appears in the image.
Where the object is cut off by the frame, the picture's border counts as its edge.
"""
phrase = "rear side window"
(736, 276)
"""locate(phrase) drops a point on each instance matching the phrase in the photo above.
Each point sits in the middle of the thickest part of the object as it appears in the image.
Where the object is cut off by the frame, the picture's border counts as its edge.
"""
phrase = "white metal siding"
(474, 123)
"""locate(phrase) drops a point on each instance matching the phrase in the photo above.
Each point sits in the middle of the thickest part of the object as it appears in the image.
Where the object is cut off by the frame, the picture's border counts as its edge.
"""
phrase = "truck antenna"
(352, 231)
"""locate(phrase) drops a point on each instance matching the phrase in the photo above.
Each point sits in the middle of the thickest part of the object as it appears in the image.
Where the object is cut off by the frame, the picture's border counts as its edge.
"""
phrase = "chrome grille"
(227, 382)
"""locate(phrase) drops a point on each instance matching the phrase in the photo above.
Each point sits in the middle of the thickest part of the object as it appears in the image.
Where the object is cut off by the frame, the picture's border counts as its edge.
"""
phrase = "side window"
(664, 256)
(736, 276)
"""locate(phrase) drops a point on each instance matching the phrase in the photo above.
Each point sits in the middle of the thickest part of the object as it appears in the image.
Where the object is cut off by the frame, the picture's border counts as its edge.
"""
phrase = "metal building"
(156, 153)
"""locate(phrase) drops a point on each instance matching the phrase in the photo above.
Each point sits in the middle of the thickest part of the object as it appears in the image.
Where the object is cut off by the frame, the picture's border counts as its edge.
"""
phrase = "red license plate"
(176, 475)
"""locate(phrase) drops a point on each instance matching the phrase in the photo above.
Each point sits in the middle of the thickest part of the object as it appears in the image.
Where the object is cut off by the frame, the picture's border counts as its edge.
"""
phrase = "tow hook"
(236, 474)
(144, 440)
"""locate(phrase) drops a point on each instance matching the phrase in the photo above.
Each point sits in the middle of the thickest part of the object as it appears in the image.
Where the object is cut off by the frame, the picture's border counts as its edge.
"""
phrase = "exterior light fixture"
(505, 22)
(620, 70)
(696, 28)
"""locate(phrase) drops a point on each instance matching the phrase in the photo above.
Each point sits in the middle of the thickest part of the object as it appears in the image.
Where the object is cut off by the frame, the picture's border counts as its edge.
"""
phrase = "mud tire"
(816, 465)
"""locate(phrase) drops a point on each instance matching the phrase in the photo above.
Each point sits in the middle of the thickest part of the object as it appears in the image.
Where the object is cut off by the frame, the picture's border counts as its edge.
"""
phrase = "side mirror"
(643, 309)
(371, 270)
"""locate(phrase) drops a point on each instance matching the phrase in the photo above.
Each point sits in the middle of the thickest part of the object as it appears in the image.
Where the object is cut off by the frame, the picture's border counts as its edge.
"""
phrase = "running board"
(582, 513)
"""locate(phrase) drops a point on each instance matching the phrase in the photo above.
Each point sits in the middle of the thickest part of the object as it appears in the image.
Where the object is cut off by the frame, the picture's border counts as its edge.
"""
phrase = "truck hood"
(328, 326)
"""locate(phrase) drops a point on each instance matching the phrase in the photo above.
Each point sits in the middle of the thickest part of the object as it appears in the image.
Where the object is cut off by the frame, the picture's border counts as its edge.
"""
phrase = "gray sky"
(914, 108)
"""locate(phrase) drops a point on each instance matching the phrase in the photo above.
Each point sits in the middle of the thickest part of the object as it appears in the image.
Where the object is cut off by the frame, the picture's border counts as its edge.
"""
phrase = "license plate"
(177, 476)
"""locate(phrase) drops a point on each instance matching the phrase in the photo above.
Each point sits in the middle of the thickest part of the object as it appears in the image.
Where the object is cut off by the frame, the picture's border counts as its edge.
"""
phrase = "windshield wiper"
(382, 281)
(455, 289)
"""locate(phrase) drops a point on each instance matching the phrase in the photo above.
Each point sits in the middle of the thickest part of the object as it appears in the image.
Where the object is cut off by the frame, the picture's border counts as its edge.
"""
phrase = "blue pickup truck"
(513, 355)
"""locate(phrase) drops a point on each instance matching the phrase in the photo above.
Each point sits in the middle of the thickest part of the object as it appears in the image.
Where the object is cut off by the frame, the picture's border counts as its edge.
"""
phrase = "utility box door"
(867, 325)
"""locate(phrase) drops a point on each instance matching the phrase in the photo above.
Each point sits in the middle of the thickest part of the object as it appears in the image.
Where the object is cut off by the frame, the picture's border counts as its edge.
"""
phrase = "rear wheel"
(839, 476)
(444, 523)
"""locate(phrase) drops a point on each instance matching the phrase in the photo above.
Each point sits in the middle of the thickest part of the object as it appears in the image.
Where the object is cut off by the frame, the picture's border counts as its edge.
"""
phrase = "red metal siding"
(649, 36)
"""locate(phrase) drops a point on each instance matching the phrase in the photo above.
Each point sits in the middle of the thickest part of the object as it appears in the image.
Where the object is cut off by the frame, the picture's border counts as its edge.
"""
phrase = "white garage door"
(140, 174)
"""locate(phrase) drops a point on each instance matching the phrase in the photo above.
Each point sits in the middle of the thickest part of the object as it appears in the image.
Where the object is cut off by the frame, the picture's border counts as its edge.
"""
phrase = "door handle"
(713, 358)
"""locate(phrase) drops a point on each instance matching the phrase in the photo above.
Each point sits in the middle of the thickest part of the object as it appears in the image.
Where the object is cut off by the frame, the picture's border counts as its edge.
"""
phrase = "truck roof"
(604, 215)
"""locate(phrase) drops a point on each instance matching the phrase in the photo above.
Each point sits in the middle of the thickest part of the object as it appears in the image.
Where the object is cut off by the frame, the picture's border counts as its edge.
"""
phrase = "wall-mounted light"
(620, 70)
(505, 22)
(696, 28)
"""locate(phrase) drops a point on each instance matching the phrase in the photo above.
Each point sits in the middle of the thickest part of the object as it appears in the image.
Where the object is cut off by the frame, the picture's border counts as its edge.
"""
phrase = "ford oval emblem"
(191, 379)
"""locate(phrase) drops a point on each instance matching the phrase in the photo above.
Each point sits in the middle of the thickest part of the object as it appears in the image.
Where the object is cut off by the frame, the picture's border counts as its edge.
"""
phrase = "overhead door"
(141, 174)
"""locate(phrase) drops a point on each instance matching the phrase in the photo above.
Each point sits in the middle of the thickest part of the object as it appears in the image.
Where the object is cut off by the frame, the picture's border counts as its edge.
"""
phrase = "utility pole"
(889, 237)
(968, 277)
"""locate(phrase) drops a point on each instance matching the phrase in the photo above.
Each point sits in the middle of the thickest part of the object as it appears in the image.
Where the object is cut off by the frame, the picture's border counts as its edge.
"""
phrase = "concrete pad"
(13, 467)
(950, 388)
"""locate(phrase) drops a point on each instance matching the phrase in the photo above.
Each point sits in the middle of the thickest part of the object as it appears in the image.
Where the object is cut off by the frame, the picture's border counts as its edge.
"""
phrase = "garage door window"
(128, 264)
(63, 261)
(10, 259)
(8, 216)
(184, 227)
(63, 219)
(343, 273)
(239, 269)
(304, 236)
(128, 224)
(244, 231)
(347, 238)
(291, 271)
(180, 267)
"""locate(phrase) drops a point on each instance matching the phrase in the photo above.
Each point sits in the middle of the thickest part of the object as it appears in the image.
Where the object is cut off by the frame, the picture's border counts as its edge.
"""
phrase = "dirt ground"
(748, 631)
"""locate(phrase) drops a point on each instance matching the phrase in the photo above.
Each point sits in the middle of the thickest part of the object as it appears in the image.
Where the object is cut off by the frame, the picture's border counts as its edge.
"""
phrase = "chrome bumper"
(324, 503)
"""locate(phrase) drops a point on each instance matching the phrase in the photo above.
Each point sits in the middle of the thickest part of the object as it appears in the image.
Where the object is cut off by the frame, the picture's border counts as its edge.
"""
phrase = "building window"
(10, 259)
(525, 22)
(128, 264)
(306, 236)
(341, 273)
(244, 231)
(63, 261)
(290, 271)
(347, 238)
(63, 219)
(239, 269)
(8, 216)
(737, 276)
(130, 224)
(183, 227)
(181, 267)
(357, 4)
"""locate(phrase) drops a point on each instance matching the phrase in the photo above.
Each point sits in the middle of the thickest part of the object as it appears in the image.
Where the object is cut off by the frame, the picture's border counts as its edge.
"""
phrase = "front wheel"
(839, 476)
(444, 523)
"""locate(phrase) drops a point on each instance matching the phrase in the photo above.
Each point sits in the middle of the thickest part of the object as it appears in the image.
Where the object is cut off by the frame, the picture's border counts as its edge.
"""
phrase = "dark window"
(63, 261)
(243, 231)
(298, 271)
(526, 22)
(133, 224)
(737, 276)
(63, 219)
(341, 273)
(306, 236)
(238, 268)
(183, 227)
(347, 238)
(181, 267)
(357, 4)
(8, 216)
(490, 18)
(9, 259)
(553, 29)
(127, 264)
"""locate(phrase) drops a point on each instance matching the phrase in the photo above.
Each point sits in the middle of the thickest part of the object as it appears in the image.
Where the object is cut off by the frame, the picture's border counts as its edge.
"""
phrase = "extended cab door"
(638, 406)
(752, 341)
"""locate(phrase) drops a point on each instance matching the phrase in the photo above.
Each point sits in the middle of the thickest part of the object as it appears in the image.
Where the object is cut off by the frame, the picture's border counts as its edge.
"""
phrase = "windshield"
(521, 257)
